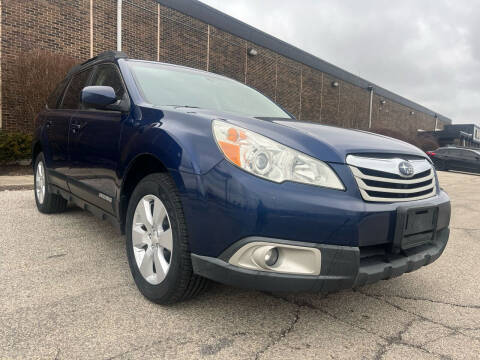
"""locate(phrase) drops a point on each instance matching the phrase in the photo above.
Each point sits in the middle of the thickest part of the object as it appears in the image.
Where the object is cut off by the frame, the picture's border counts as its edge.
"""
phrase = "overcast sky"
(427, 51)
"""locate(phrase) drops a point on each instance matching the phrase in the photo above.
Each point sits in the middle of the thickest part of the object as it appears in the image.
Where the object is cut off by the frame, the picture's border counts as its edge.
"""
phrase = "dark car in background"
(456, 158)
(210, 179)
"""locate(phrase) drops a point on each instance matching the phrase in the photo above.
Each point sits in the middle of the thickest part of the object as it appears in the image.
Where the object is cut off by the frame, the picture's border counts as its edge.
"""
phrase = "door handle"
(76, 127)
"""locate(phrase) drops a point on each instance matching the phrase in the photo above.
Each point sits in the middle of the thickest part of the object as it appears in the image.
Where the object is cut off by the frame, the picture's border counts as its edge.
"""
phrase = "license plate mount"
(415, 227)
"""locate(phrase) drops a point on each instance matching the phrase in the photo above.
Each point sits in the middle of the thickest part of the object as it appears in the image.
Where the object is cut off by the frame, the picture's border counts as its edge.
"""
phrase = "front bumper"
(343, 267)
(358, 240)
(228, 204)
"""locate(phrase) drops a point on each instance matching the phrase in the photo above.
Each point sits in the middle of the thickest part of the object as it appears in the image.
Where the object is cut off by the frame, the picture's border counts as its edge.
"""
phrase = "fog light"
(271, 257)
(278, 257)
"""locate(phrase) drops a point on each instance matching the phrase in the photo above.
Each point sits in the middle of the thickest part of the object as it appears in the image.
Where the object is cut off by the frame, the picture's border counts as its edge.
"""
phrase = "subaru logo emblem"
(406, 169)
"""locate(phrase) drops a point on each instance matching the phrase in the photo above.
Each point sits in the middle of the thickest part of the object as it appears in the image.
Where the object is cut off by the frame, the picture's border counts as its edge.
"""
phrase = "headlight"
(268, 159)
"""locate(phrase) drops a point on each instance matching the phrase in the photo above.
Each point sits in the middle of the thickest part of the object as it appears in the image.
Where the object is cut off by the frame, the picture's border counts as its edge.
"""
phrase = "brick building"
(190, 33)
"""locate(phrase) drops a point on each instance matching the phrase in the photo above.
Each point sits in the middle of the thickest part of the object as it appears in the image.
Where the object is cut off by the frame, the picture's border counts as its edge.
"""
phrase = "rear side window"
(108, 75)
(53, 99)
(71, 100)
(458, 153)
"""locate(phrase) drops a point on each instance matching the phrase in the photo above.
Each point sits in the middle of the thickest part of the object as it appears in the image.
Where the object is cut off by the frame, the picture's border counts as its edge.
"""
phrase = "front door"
(471, 161)
(57, 127)
(94, 146)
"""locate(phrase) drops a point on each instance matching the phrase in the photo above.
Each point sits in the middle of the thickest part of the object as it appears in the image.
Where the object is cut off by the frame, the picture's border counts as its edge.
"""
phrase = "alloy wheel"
(152, 239)
(40, 182)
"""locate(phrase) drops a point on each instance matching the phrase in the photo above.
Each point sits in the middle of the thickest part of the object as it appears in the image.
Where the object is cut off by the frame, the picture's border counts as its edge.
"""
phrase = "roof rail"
(106, 55)
(110, 55)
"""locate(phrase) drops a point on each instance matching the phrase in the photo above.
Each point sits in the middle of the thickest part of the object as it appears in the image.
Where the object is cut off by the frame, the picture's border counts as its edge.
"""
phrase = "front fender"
(182, 143)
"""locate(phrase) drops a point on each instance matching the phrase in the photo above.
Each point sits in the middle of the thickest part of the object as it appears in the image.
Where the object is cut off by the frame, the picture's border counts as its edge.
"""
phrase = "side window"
(53, 99)
(108, 75)
(71, 100)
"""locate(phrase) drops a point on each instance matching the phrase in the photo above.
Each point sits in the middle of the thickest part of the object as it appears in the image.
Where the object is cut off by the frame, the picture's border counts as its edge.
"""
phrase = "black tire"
(52, 203)
(180, 282)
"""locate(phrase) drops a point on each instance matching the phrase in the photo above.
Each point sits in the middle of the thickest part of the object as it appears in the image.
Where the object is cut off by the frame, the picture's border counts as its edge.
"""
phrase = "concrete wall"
(156, 32)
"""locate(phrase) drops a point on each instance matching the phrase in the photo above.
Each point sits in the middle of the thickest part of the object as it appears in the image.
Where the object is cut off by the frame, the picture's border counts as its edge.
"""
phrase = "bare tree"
(34, 76)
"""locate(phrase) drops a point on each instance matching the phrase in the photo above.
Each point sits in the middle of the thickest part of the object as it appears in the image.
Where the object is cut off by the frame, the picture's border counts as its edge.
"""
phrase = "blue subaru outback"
(209, 179)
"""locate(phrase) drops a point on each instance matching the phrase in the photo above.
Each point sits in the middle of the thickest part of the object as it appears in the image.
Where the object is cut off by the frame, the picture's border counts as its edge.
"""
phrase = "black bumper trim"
(374, 269)
(342, 268)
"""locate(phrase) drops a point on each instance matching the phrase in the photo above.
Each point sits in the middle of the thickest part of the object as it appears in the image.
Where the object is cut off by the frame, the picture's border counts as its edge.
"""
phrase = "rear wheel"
(47, 202)
(157, 244)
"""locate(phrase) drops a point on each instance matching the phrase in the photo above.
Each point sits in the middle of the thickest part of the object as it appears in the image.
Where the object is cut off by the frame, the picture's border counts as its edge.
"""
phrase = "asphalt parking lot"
(66, 292)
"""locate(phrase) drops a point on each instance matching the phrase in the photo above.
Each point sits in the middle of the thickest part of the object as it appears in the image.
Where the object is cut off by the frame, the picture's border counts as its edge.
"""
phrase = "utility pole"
(370, 108)
(119, 25)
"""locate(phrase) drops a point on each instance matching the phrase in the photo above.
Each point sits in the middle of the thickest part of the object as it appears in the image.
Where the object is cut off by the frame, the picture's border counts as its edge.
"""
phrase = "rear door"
(455, 159)
(440, 158)
(94, 145)
(55, 143)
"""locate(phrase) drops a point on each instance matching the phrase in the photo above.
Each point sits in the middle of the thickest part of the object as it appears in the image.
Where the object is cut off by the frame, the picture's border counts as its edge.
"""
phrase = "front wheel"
(47, 202)
(157, 244)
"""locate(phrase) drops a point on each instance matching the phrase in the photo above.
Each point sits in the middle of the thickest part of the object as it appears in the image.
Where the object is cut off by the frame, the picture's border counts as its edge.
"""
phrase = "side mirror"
(98, 97)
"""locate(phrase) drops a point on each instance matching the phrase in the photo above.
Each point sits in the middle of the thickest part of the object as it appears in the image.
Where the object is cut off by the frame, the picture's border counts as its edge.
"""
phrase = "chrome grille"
(379, 179)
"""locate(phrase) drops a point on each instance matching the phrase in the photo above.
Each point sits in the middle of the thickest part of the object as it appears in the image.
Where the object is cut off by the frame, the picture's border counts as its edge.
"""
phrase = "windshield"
(163, 85)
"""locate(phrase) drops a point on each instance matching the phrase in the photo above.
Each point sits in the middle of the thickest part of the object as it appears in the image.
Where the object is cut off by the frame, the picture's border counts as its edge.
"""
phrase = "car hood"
(327, 143)
(346, 141)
